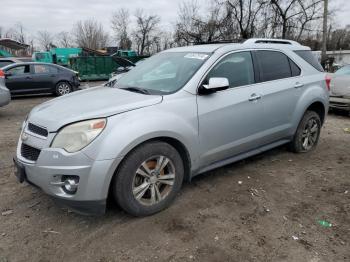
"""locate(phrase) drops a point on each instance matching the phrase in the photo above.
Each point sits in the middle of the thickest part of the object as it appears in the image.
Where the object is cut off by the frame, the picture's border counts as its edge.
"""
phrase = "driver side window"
(237, 68)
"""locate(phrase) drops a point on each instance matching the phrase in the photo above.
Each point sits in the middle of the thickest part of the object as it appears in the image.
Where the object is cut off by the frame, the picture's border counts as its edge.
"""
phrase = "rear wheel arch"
(319, 108)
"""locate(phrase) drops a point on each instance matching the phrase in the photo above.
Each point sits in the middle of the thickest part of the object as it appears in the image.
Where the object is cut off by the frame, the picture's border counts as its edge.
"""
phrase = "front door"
(19, 79)
(231, 121)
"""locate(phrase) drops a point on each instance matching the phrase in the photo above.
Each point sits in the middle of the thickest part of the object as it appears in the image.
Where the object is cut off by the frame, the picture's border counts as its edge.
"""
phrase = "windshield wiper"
(136, 89)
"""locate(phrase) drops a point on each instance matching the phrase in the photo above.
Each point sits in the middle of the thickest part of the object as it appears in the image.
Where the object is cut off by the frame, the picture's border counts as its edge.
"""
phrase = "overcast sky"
(56, 16)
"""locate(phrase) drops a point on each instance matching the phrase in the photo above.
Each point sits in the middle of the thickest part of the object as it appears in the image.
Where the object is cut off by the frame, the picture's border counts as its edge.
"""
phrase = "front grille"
(29, 152)
(37, 130)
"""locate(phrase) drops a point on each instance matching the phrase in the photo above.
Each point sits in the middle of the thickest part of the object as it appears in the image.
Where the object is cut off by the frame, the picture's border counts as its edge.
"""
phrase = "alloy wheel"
(154, 180)
(310, 134)
(63, 89)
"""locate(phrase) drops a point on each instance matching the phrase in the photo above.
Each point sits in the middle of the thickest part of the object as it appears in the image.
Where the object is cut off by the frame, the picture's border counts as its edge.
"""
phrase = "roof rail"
(270, 41)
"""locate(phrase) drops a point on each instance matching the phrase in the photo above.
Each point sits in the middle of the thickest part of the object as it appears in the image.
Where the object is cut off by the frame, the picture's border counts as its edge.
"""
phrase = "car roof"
(254, 43)
(33, 63)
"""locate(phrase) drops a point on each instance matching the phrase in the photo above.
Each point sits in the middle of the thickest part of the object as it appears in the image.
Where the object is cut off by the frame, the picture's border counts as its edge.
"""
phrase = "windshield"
(164, 73)
(345, 70)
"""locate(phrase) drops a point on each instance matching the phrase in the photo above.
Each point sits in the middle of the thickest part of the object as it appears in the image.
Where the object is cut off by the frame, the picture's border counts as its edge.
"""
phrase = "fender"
(312, 94)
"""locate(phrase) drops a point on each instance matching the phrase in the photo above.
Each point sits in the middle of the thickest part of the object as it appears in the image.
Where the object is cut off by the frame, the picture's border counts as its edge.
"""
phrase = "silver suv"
(178, 114)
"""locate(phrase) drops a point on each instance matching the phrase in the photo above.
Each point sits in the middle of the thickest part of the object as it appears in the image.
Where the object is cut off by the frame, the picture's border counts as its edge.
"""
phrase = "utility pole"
(324, 36)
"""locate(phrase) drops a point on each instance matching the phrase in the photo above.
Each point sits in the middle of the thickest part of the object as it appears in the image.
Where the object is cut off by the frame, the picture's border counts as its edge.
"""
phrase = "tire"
(63, 88)
(142, 192)
(309, 129)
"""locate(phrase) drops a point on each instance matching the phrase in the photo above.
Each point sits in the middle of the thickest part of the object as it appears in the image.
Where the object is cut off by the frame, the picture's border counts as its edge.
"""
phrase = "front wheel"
(307, 134)
(148, 179)
(63, 88)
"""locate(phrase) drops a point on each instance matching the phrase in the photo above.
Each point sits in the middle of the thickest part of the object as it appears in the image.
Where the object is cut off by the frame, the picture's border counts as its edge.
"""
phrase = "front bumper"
(341, 103)
(54, 164)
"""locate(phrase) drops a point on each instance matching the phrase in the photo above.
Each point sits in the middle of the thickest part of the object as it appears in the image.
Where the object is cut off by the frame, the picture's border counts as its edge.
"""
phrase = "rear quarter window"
(310, 58)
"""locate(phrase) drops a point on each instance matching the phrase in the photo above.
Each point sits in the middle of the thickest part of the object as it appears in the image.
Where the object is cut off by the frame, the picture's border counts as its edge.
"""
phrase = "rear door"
(19, 79)
(281, 85)
(42, 77)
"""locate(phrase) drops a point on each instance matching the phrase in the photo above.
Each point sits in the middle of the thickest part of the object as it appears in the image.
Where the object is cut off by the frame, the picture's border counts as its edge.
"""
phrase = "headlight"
(75, 137)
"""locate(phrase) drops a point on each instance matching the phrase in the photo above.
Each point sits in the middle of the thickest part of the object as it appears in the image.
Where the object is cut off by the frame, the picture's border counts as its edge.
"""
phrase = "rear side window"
(345, 70)
(273, 65)
(310, 58)
(41, 69)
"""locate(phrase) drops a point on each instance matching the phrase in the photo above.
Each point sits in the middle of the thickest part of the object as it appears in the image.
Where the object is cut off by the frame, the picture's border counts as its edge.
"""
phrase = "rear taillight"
(2, 74)
(328, 82)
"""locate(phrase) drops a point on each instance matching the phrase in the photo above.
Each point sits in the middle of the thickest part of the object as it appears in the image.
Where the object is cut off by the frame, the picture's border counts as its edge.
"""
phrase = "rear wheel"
(307, 134)
(148, 179)
(63, 88)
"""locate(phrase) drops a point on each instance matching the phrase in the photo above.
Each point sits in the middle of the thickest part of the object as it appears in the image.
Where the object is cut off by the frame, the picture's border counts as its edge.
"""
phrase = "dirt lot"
(271, 215)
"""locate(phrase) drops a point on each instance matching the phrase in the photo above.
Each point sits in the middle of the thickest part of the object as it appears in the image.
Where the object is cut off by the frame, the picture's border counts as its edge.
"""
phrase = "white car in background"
(340, 89)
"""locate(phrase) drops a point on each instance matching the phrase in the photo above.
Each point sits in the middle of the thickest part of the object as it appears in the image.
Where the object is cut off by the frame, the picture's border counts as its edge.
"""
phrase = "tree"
(191, 27)
(45, 40)
(90, 34)
(120, 23)
(245, 14)
(64, 39)
(146, 26)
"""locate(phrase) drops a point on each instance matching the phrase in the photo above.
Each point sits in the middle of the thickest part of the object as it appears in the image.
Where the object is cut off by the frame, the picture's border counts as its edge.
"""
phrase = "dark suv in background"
(34, 78)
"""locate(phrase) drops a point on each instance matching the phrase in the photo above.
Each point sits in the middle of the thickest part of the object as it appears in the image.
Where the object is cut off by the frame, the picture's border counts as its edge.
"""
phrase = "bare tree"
(45, 40)
(64, 39)
(295, 14)
(245, 14)
(120, 25)
(90, 34)
(191, 27)
(146, 26)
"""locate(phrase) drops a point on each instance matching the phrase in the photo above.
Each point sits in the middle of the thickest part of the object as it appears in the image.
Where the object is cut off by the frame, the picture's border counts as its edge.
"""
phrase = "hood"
(340, 85)
(87, 104)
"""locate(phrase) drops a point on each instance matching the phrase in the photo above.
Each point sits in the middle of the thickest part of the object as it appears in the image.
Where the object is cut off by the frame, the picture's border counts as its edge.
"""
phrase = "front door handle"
(298, 85)
(254, 97)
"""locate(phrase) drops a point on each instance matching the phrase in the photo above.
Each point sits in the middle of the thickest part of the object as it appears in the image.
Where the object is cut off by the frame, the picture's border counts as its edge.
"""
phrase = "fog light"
(70, 185)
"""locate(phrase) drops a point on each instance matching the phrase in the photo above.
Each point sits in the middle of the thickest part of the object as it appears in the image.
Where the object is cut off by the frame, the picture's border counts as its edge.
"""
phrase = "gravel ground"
(265, 208)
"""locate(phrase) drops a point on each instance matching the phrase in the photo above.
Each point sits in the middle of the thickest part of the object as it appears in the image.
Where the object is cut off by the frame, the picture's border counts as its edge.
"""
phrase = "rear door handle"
(254, 97)
(298, 85)
(29, 77)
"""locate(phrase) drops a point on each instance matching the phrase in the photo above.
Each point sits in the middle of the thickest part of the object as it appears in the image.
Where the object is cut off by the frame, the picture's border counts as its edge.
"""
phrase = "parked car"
(5, 96)
(34, 78)
(8, 60)
(178, 114)
(340, 89)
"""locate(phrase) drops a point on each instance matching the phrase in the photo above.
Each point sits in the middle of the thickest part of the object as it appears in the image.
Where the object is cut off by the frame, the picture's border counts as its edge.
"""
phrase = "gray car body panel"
(5, 96)
(215, 129)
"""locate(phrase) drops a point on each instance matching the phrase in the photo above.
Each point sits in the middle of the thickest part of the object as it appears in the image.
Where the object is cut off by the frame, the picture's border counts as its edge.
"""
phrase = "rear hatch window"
(308, 56)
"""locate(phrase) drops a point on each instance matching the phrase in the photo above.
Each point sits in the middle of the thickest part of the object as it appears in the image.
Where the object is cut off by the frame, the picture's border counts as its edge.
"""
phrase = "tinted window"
(236, 67)
(310, 58)
(53, 69)
(273, 65)
(19, 70)
(41, 69)
(5, 63)
(294, 68)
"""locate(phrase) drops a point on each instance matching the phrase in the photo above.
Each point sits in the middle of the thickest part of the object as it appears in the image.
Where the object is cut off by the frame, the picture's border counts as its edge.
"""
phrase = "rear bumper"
(341, 103)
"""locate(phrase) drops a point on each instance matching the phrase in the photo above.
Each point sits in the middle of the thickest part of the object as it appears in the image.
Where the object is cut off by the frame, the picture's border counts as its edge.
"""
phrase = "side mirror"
(215, 84)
